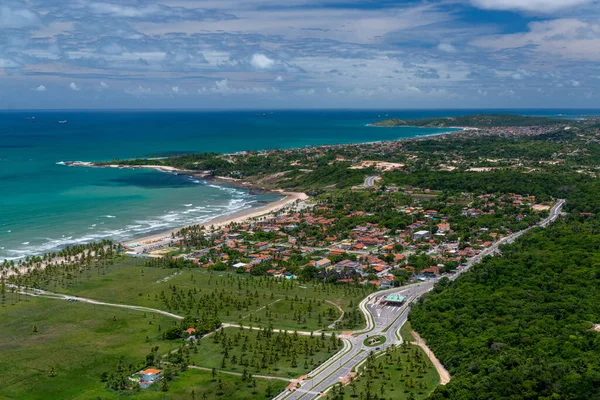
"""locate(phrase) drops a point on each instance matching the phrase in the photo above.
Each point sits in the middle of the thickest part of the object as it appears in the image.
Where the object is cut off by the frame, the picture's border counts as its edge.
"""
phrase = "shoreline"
(164, 238)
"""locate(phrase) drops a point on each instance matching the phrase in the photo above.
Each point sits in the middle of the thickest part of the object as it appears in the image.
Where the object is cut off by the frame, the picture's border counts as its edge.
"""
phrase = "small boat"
(30, 118)
(64, 121)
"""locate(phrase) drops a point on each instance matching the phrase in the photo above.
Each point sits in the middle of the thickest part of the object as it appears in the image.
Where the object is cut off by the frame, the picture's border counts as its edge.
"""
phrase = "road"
(385, 320)
(382, 319)
(370, 181)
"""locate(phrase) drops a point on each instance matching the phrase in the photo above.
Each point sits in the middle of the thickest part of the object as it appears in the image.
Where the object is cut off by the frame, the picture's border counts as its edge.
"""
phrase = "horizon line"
(208, 109)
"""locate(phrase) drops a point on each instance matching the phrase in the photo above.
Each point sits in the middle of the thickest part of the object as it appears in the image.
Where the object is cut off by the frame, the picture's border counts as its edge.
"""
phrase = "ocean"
(45, 206)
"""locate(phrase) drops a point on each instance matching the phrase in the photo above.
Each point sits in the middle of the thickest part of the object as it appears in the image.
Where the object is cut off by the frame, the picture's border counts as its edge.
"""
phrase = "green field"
(80, 341)
(200, 385)
(275, 354)
(405, 332)
(237, 298)
(74, 343)
(402, 373)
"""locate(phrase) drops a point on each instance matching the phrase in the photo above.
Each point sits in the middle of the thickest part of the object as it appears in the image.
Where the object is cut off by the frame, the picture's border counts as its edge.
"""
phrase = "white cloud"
(345, 24)
(6, 63)
(74, 86)
(223, 87)
(138, 90)
(40, 88)
(175, 89)
(575, 83)
(567, 37)
(305, 92)
(17, 17)
(447, 47)
(116, 10)
(533, 6)
(260, 61)
(103, 85)
(279, 78)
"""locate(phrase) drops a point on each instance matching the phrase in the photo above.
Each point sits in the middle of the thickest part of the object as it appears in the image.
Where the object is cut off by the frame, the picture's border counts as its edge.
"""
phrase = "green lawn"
(80, 341)
(278, 354)
(201, 384)
(235, 297)
(403, 373)
(405, 332)
(374, 341)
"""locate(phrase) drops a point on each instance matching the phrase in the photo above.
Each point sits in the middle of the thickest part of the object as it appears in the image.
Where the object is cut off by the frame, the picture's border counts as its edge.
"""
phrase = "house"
(323, 263)
(420, 235)
(430, 272)
(347, 264)
(239, 265)
(443, 227)
(148, 377)
(261, 245)
(190, 331)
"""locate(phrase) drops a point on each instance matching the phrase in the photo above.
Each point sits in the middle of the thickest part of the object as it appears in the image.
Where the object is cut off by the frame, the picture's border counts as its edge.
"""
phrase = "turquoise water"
(45, 206)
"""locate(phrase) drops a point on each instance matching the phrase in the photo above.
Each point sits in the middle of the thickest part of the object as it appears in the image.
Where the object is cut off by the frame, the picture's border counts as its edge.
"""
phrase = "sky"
(299, 54)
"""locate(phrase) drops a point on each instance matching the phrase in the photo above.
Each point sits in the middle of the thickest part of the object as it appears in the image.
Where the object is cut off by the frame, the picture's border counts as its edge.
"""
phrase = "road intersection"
(385, 320)
(381, 320)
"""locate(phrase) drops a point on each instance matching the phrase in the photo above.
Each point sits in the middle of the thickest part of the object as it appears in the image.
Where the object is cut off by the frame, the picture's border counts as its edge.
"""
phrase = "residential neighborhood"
(405, 240)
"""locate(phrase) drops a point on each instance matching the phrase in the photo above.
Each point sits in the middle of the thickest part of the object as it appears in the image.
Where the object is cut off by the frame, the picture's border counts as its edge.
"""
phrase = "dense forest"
(520, 325)
(542, 185)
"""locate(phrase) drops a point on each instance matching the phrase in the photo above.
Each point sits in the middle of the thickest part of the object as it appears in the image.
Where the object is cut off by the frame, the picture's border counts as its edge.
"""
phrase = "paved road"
(381, 319)
(370, 181)
(385, 320)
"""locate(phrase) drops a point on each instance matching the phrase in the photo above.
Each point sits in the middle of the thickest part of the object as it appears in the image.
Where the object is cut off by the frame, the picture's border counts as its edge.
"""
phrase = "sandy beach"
(161, 168)
(161, 239)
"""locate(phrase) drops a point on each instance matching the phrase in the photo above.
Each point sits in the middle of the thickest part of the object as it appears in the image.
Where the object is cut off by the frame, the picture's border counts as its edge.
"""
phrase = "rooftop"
(395, 298)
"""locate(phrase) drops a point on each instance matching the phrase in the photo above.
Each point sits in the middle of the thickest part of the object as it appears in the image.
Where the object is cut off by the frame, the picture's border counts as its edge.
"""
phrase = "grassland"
(200, 385)
(405, 332)
(402, 373)
(80, 341)
(236, 298)
(276, 354)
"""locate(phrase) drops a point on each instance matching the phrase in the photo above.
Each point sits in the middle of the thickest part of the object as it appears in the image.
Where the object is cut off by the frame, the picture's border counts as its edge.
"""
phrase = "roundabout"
(374, 341)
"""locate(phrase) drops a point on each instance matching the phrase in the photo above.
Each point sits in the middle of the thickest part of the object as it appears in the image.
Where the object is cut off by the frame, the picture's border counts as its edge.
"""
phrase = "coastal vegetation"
(225, 296)
(215, 307)
(497, 143)
(264, 352)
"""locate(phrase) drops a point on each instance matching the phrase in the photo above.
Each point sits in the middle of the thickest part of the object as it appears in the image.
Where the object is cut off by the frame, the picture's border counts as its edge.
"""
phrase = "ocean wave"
(136, 228)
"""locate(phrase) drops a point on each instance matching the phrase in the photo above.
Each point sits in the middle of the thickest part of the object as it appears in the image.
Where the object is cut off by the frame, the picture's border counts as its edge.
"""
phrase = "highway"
(385, 320)
(370, 181)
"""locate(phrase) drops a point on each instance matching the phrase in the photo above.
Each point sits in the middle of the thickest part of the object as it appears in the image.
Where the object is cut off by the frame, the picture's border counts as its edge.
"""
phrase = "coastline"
(164, 238)
(161, 239)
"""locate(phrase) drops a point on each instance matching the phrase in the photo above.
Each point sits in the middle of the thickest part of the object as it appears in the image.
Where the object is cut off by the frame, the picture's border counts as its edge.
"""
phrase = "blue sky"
(299, 53)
